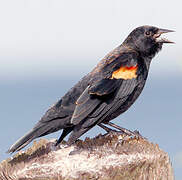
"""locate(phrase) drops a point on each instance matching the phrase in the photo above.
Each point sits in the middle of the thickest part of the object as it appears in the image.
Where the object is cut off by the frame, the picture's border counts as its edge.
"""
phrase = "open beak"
(162, 40)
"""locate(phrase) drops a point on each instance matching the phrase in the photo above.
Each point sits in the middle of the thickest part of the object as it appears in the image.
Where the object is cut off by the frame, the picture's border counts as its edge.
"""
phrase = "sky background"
(46, 46)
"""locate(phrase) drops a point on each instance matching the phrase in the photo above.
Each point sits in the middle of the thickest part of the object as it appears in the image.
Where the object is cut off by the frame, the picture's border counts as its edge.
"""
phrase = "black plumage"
(106, 92)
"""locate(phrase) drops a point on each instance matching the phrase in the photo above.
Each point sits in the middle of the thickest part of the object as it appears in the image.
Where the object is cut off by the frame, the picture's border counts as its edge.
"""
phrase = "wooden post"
(106, 157)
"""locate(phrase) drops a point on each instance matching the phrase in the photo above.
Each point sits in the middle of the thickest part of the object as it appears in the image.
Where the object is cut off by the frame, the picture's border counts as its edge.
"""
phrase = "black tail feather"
(22, 142)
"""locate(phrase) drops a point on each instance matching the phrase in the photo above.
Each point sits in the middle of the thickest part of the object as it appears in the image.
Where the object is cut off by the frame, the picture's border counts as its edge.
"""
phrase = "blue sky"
(44, 44)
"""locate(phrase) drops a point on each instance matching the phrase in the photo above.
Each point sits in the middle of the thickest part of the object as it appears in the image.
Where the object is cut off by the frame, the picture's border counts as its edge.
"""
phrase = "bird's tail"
(22, 142)
(39, 130)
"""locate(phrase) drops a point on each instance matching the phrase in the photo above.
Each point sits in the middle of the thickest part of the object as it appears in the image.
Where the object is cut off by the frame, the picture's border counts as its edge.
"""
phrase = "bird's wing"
(104, 87)
(92, 97)
(105, 109)
(99, 113)
(114, 76)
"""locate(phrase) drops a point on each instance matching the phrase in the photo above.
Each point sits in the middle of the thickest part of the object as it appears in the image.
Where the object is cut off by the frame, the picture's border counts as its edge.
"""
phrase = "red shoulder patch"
(125, 72)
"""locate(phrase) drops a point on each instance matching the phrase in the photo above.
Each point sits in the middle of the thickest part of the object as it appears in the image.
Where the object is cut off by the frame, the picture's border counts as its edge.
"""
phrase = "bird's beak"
(162, 40)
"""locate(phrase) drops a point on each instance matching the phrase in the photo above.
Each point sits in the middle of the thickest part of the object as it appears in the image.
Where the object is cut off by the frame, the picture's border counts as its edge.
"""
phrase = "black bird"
(103, 94)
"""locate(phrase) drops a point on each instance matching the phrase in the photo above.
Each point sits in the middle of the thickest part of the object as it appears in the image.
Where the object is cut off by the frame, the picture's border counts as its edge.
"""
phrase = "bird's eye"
(148, 33)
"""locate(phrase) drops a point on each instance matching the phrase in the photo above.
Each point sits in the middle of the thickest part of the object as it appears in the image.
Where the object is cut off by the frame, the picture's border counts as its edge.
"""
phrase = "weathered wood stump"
(106, 157)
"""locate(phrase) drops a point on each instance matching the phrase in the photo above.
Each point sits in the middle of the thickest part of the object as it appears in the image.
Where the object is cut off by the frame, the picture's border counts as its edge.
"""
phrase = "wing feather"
(100, 93)
(104, 110)
(84, 106)
(92, 97)
(104, 87)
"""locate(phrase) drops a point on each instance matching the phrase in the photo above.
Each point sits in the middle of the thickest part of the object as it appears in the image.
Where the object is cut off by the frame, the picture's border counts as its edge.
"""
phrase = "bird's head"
(146, 40)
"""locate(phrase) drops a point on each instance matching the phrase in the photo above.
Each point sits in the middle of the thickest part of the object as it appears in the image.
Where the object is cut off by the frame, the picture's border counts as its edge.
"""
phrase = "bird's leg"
(126, 131)
(106, 128)
(63, 135)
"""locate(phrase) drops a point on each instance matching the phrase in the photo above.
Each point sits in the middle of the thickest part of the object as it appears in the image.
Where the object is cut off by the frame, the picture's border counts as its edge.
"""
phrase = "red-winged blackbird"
(103, 94)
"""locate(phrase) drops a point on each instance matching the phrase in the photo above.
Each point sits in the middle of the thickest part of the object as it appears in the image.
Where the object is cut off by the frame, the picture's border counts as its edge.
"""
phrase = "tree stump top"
(105, 157)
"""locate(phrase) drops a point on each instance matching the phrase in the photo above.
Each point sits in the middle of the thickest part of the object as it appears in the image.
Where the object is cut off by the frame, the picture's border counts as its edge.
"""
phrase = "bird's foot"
(53, 146)
(56, 146)
(61, 145)
(108, 130)
(122, 130)
(137, 134)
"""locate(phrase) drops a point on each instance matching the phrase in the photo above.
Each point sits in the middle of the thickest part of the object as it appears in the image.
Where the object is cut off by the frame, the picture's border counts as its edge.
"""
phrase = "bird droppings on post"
(111, 156)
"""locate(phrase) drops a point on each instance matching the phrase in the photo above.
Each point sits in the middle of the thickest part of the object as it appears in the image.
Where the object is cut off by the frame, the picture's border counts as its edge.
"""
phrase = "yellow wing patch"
(125, 73)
